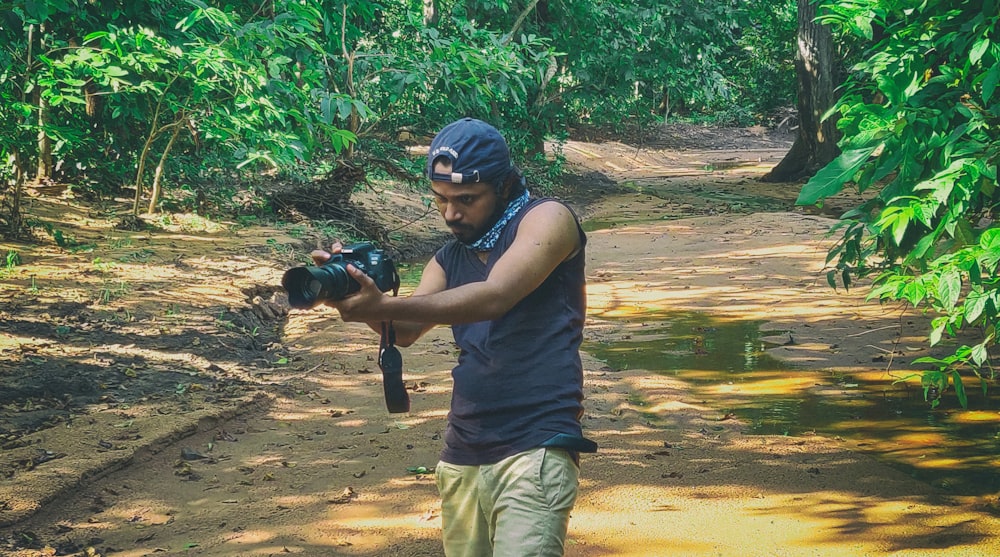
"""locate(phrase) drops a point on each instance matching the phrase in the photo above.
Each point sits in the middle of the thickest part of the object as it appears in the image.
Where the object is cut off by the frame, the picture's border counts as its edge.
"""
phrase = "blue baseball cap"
(477, 151)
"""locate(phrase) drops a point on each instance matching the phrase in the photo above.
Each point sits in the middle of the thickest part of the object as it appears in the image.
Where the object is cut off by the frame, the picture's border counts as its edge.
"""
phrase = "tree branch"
(520, 20)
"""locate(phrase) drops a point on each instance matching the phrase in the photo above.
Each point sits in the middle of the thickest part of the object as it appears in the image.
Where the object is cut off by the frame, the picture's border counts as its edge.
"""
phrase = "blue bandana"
(487, 241)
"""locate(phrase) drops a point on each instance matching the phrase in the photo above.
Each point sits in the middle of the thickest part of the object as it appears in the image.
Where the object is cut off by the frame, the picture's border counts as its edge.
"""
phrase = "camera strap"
(390, 361)
(388, 340)
(388, 337)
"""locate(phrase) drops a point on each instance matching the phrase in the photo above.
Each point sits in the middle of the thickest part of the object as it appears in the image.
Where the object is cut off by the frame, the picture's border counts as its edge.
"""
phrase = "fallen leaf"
(345, 496)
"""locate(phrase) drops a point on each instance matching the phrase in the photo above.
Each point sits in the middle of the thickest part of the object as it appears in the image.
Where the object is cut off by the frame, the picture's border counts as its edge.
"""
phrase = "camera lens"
(313, 289)
(308, 287)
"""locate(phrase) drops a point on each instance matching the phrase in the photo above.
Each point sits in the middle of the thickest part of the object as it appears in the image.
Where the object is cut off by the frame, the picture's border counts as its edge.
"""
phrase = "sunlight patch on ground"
(974, 416)
(749, 386)
(671, 406)
(256, 537)
(821, 523)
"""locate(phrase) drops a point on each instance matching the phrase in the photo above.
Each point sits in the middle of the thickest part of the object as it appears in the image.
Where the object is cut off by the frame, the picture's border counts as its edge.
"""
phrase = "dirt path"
(297, 455)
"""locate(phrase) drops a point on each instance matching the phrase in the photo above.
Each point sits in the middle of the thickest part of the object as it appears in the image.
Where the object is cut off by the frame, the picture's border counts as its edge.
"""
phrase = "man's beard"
(468, 234)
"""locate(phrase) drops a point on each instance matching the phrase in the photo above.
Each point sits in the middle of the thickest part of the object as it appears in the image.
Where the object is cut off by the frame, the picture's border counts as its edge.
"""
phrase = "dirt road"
(268, 435)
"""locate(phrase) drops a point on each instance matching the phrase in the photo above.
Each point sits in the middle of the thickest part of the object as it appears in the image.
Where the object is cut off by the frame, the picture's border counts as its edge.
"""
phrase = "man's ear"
(507, 186)
(503, 192)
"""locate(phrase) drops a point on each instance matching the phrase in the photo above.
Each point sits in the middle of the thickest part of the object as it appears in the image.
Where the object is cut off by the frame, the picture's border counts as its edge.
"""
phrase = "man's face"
(469, 210)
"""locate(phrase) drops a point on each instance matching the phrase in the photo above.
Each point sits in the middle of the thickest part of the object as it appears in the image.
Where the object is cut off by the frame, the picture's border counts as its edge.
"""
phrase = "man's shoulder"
(548, 208)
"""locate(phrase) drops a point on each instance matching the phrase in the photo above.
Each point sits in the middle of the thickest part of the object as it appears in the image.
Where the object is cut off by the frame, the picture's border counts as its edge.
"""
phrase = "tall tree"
(815, 67)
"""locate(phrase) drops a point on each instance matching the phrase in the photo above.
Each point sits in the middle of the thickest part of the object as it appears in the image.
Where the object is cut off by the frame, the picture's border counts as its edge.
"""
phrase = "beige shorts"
(518, 507)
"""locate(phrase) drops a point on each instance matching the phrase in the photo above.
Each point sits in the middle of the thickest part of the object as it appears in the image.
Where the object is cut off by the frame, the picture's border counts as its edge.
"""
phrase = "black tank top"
(519, 379)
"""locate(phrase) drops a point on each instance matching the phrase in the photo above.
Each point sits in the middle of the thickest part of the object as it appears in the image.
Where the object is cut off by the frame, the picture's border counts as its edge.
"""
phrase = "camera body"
(308, 287)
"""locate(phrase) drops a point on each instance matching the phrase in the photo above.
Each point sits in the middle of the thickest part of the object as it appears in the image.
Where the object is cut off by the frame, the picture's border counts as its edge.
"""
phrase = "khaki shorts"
(518, 507)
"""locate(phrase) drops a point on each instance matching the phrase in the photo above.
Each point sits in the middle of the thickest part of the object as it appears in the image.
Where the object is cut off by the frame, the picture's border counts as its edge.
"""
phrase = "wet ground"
(731, 365)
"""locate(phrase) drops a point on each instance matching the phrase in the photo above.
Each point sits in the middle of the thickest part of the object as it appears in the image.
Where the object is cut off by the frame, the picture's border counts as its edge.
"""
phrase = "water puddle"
(727, 364)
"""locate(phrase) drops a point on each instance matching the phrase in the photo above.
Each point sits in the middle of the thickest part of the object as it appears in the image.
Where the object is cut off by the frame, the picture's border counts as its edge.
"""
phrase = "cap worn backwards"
(477, 151)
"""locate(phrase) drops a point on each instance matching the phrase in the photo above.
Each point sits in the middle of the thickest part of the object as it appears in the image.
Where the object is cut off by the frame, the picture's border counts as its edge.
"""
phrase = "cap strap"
(456, 177)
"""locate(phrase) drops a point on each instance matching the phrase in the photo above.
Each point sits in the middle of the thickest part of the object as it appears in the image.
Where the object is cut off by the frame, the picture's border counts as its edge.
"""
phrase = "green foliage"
(576, 62)
(478, 72)
(920, 118)
(199, 94)
(760, 69)
(636, 59)
(13, 259)
(231, 78)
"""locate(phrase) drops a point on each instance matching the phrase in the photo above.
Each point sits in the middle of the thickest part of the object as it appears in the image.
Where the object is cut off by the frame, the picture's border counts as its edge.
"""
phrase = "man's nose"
(451, 213)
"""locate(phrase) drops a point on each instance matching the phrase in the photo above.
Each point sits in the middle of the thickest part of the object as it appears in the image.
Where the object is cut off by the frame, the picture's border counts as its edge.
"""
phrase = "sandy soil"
(209, 420)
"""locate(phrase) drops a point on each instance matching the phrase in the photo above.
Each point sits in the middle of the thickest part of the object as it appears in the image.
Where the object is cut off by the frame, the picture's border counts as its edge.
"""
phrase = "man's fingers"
(319, 256)
(359, 275)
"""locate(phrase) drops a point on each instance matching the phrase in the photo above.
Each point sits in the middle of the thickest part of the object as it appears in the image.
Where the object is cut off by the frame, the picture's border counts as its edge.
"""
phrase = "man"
(511, 285)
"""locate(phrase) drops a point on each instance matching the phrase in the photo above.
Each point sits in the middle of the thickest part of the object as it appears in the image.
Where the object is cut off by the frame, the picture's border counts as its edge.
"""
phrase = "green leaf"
(949, 288)
(979, 354)
(978, 50)
(934, 379)
(975, 304)
(938, 331)
(964, 233)
(914, 292)
(990, 239)
(115, 71)
(963, 398)
(831, 179)
(990, 82)
(343, 110)
(931, 360)
(38, 12)
(920, 249)
(192, 18)
(899, 226)
(94, 36)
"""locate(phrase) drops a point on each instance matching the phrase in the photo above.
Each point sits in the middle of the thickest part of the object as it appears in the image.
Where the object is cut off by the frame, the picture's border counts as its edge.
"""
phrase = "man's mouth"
(458, 228)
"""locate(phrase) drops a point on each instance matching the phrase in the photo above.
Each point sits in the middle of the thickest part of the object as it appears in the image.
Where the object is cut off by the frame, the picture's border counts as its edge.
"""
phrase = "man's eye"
(466, 200)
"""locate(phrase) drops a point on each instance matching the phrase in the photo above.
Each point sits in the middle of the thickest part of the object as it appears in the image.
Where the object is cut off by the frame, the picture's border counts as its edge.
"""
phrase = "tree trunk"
(154, 196)
(153, 134)
(431, 15)
(44, 169)
(354, 123)
(816, 143)
(15, 221)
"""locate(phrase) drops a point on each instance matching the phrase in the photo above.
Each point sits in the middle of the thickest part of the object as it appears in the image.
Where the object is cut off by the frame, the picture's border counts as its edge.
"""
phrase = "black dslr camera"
(308, 287)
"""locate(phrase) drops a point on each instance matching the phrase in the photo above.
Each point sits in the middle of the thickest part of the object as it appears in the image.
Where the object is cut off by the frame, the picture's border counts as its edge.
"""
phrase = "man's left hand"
(362, 305)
